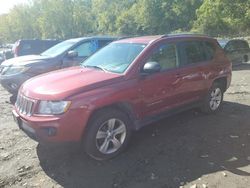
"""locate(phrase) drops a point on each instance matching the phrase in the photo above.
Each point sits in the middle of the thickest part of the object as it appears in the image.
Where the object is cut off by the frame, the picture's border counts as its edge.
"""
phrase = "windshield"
(115, 57)
(59, 48)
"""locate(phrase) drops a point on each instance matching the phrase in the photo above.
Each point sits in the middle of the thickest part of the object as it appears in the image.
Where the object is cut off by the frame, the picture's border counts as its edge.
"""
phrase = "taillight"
(16, 49)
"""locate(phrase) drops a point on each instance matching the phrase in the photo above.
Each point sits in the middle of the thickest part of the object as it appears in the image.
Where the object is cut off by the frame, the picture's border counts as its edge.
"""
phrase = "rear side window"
(192, 52)
(242, 44)
(166, 56)
(210, 50)
(26, 46)
(236, 45)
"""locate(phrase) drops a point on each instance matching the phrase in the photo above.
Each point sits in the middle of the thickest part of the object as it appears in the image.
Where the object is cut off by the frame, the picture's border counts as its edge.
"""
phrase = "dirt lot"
(188, 150)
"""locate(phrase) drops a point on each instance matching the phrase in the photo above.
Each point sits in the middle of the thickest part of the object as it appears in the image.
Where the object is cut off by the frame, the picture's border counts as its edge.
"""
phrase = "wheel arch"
(222, 81)
(124, 107)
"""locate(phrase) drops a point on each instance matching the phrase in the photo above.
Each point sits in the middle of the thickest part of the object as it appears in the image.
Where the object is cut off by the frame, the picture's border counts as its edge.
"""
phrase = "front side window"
(231, 46)
(166, 56)
(59, 48)
(85, 49)
(115, 57)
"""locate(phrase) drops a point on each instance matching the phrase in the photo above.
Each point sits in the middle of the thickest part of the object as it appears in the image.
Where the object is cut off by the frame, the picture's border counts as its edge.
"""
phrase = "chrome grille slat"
(24, 105)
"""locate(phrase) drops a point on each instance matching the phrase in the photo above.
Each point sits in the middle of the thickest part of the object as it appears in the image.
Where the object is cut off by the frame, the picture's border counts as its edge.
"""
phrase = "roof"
(149, 39)
(88, 38)
(141, 40)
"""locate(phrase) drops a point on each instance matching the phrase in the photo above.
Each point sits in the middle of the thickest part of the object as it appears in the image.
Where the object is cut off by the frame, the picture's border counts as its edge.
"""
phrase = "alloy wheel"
(216, 98)
(110, 136)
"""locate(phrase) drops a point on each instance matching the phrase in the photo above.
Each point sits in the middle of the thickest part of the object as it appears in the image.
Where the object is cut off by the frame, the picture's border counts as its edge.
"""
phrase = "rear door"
(191, 80)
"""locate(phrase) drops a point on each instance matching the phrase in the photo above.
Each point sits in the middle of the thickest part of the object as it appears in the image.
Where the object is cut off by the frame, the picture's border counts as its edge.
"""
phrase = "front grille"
(25, 105)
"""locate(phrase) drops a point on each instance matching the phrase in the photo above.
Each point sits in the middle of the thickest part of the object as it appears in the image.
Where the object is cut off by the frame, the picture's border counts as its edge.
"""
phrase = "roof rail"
(185, 34)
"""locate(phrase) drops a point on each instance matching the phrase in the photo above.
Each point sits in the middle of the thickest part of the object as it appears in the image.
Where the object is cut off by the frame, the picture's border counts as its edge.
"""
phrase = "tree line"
(62, 19)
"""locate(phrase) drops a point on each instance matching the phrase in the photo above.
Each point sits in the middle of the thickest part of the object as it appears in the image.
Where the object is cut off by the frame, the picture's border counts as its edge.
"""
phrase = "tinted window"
(85, 49)
(242, 44)
(165, 55)
(192, 52)
(230, 46)
(236, 45)
(103, 43)
(26, 46)
(209, 50)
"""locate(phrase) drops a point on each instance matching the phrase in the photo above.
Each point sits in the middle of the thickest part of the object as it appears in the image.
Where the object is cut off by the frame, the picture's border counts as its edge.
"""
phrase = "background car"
(1, 58)
(6, 52)
(15, 71)
(237, 50)
(29, 47)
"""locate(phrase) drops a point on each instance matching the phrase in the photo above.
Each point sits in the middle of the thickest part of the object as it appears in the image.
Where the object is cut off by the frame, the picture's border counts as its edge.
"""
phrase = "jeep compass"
(126, 85)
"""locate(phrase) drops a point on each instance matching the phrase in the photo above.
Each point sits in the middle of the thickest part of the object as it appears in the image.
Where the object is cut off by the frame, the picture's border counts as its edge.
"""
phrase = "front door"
(158, 90)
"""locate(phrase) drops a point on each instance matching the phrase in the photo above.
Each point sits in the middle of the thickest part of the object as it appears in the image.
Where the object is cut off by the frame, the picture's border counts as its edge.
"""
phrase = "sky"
(6, 5)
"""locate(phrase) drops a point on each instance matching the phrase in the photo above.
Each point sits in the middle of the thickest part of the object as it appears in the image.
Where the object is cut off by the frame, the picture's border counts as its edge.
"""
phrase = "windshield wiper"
(95, 67)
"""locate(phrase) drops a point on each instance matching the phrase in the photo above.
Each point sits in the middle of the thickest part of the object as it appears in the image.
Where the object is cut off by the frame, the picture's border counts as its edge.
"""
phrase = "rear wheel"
(108, 134)
(214, 99)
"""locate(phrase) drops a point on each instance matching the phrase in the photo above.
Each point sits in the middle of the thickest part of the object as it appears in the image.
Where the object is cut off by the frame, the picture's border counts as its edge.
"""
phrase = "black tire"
(207, 107)
(98, 124)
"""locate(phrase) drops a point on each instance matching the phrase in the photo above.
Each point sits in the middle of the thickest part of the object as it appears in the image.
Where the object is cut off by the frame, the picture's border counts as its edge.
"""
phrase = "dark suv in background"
(15, 71)
(29, 47)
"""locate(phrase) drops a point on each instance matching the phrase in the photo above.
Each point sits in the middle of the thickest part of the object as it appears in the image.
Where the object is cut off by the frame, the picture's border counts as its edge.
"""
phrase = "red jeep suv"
(126, 85)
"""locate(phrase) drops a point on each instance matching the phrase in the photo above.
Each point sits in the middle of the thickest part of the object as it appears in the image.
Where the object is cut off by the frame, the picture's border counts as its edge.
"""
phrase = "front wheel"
(108, 134)
(214, 99)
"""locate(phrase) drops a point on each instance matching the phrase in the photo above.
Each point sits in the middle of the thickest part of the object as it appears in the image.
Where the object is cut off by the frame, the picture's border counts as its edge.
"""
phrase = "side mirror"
(72, 54)
(151, 67)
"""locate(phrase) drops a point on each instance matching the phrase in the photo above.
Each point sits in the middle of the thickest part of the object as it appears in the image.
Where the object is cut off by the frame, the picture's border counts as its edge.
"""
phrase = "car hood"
(25, 60)
(59, 85)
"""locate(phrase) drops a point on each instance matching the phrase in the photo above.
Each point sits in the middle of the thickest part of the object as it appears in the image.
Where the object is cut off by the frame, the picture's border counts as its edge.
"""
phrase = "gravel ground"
(190, 149)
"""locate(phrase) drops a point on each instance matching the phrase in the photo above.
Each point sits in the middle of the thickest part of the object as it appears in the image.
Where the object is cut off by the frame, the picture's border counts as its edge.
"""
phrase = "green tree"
(223, 17)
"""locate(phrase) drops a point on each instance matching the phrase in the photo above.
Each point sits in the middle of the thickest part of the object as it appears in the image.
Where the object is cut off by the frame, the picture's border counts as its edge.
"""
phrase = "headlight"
(12, 70)
(53, 107)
